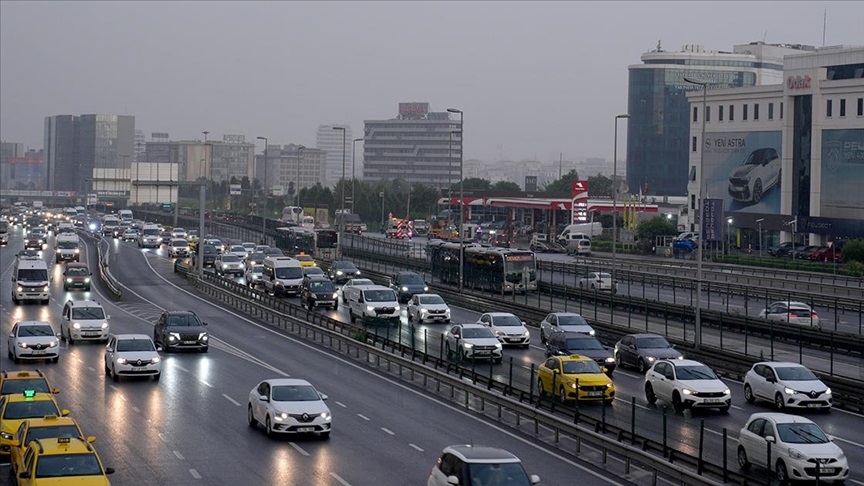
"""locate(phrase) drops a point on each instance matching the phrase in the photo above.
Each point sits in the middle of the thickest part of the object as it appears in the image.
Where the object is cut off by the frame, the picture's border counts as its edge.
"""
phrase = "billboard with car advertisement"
(842, 174)
(743, 169)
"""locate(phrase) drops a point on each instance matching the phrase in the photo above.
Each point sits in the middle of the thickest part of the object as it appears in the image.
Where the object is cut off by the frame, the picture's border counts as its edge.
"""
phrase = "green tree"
(506, 186)
(474, 184)
(646, 231)
(563, 184)
(853, 251)
(599, 186)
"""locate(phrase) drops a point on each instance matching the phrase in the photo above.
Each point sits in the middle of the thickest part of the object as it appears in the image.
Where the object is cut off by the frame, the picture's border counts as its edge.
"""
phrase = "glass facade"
(659, 126)
(802, 140)
(417, 150)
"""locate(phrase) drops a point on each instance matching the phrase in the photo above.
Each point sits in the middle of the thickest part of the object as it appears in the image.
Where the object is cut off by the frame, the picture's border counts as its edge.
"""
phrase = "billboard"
(579, 201)
(712, 222)
(743, 170)
(413, 109)
(843, 174)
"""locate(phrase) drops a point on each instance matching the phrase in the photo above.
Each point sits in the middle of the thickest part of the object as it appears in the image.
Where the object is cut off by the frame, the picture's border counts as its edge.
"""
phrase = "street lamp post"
(697, 336)
(759, 222)
(209, 164)
(615, 194)
(300, 150)
(461, 196)
(342, 218)
(450, 181)
(381, 194)
(728, 235)
(353, 158)
(263, 210)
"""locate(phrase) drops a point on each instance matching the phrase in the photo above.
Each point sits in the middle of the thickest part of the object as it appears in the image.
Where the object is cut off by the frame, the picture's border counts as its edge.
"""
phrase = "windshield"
(88, 313)
(430, 299)
(238, 249)
(515, 269)
(694, 373)
(288, 272)
(573, 367)
(361, 281)
(345, 266)
(34, 235)
(39, 385)
(652, 343)
(179, 243)
(760, 156)
(583, 344)
(506, 321)
(476, 332)
(380, 295)
(411, 279)
(54, 466)
(571, 321)
(37, 408)
(77, 272)
(294, 393)
(313, 271)
(67, 245)
(178, 231)
(183, 320)
(257, 256)
(51, 432)
(257, 268)
(28, 331)
(801, 433)
(230, 258)
(135, 345)
(507, 474)
(323, 286)
(795, 373)
(151, 232)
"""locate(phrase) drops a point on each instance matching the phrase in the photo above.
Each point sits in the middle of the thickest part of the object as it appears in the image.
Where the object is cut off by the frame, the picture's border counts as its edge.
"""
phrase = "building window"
(695, 114)
(720, 113)
(694, 145)
(693, 202)
(731, 112)
(860, 106)
(744, 114)
(781, 110)
(829, 105)
(770, 111)
(707, 113)
(755, 111)
(843, 107)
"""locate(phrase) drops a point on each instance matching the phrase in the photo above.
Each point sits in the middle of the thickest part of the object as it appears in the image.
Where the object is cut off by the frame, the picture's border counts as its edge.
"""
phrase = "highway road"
(190, 427)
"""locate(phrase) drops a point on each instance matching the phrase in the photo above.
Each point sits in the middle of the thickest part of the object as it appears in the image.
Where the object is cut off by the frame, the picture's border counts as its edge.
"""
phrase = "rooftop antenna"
(765, 36)
(824, 25)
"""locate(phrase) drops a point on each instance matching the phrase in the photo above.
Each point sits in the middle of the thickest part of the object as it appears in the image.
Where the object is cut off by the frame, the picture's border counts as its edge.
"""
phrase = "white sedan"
(428, 307)
(353, 282)
(289, 406)
(472, 341)
(797, 313)
(786, 385)
(178, 233)
(132, 355)
(686, 384)
(239, 251)
(598, 281)
(33, 340)
(798, 447)
(228, 263)
(508, 328)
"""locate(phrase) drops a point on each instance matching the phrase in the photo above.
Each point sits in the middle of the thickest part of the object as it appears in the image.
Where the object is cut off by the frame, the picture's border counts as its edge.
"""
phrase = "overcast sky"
(534, 79)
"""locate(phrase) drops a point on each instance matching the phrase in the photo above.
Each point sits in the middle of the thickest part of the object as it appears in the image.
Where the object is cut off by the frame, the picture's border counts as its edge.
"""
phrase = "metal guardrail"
(105, 276)
(497, 396)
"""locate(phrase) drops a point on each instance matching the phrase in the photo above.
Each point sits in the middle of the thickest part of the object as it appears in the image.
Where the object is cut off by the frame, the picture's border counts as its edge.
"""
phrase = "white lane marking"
(205, 383)
(298, 449)
(341, 404)
(194, 474)
(235, 402)
(363, 416)
(416, 447)
(162, 436)
(854, 481)
(136, 410)
(388, 431)
(849, 442)
(341, 481)
(179, 456)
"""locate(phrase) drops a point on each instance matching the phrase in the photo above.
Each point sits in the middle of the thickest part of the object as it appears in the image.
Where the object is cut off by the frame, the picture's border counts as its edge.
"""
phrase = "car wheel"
(725, 409)
(324, 435)
(778, 402)
(55, 359)
(351, 315)
(157, 376)
(748, 393)
(15, 358)
(757, 191)
(114, 376)
(542, 337)
(107, 370)
(780, 472)
(447, 351)
(251, 417)
(650, 396)
(268, 428)
(540, 391)
(618, 363)
(562, 395)
(204, 350)
(641, 366)
(677, 404)
(743, 462)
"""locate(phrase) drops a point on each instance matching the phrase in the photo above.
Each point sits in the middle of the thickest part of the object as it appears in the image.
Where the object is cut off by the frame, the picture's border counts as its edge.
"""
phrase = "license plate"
(38, 351)
(481, 353)
(713, 400)
(514, 340)
(91, 334)
(189, 342)
(827, 470)
(305, 429)
(595, 394)
(813, 405)
(140, 370)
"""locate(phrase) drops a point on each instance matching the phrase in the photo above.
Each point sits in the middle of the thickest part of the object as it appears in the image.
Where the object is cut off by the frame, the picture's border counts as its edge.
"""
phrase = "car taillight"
(813, 316)
(793, 316)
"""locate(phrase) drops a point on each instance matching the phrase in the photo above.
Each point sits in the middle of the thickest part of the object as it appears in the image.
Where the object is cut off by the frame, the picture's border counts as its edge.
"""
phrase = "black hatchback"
(566, 343)
(181, 330)
(406, 284)
(318, 292)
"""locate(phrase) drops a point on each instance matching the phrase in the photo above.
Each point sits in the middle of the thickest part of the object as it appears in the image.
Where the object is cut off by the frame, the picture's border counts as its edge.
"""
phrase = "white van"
(67, 248)
(282, 276)
(371, 303)
(590, 229)
(150, 236)
(125, 215)
(30, 281)
(576, 243)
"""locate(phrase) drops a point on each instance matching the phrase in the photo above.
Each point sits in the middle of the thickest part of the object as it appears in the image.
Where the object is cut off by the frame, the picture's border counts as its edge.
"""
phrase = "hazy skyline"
(534, 78)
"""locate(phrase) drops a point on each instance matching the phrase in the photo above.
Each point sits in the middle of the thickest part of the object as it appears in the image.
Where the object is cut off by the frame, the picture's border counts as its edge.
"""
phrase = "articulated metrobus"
(493, 269)
(296, 239)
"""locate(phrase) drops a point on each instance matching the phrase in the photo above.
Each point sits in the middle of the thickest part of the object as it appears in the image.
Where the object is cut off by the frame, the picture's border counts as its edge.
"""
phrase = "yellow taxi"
(575, 377)
(17, 408)
(62, 460)
(50, 426)
(12, 382)
(305, 260)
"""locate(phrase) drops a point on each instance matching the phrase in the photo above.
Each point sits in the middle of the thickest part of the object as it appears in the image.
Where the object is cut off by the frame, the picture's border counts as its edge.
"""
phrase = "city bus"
(499, 270)
(296, 239)
(292, 214)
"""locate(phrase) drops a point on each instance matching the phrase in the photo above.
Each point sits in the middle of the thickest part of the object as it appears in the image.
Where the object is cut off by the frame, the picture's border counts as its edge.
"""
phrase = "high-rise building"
(330, 141)
(8, 151)
(140, 145)
(659, 127)
(232, 157)
(76, 144)
(289, 168)
(418, 145)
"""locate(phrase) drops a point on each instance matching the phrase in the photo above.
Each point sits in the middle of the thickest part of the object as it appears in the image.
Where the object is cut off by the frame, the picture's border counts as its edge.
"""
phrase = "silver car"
(254, 275)
(564, 322)
(797, 313)
(598, 281)
(228, 263)
(33, 340)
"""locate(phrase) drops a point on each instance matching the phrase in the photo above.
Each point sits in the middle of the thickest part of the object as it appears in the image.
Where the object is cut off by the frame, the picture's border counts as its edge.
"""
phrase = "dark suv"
(566, 343)
(318, 292)
(406, 284)
(209, 253)
(181, 330)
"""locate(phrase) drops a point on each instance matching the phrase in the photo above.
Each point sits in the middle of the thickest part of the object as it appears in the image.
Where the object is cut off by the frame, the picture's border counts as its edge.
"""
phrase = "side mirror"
(523, 323)
(26, 475)
(323, 396)
(360, 299)
(450, 480)
(203, 323)
(158, 349)
(535, 479)
(11, 335)
(64, 413)
(264, 398)
(108, 317)
(771, 380)
(91, 439)
(109, 470)
(55, 391)
(770, 439)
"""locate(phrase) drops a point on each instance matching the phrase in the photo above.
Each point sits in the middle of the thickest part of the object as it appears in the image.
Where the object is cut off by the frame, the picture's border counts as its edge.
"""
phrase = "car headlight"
(77, 250)
(22, 345)
(796, 454)
(122, 361)
(19, 289)
(172, 336)
(335, 295)
(468, 345)
(425, 289)
(526, 334)
(203, 336)
(281, 416)
(86, 279)
(687, 392)
(788, 391)
(369, 308)
(76, 325)
(104, 325)
(726, 391)
(45, 289)
(68, 279)
(404, 289)
(53, 344)
(592, 332)
(339, 272)
(6, 435)
(325, 415)
(573, 385)
(499, 333)
(58, 250)
(610, 385)
(155, 360)
(651, 359)
(498, 346)
(827, 391)
(610, 360)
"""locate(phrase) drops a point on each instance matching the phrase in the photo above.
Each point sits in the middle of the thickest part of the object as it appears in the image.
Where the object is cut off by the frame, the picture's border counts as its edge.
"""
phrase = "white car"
(797, 313)
(509, 329)
(179, 248)
(178, 233)
(786, 385)
(254, 275)
(798, 445)
(84, 320)
(132, 355)
(686, 384)
(598, 281)
(472, 341)
(238, 251)
(481, 465)
(289, 406)
(564, 322)
(353, 282)
(228, 263)
(428, 307)
(130, 235)
(33, 340)
(759, 172)
(248, 246)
